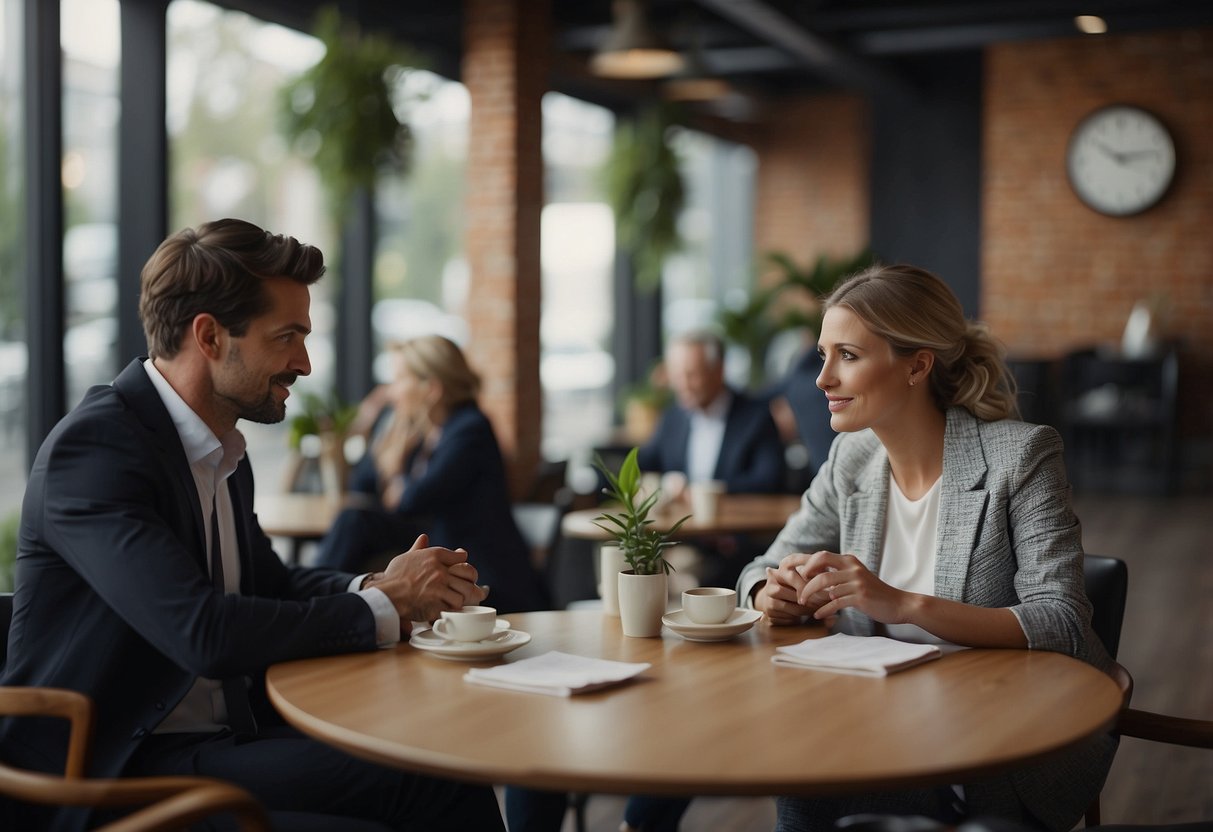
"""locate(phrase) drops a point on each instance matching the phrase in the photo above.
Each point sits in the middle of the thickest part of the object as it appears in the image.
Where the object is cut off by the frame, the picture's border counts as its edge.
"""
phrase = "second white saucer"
(736, 624)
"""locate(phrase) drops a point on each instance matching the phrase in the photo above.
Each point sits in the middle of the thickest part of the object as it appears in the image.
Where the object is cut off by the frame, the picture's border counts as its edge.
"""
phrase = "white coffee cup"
(467, 624)
(709, 604)
(704, 498)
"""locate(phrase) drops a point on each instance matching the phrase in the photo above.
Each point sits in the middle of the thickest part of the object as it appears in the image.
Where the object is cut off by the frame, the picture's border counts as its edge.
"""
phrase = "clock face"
(1120, 160)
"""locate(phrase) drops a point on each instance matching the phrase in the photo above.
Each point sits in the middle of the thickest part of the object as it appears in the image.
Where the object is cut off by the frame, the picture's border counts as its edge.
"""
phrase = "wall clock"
(1120, 160)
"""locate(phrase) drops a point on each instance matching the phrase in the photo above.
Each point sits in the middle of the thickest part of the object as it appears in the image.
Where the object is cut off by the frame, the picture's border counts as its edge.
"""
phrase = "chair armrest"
(200, 802)
(1196, 733)
(71, 705)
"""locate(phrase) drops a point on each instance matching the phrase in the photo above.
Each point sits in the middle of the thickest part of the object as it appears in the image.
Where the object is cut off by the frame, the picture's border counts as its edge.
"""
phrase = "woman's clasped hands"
(824, 583)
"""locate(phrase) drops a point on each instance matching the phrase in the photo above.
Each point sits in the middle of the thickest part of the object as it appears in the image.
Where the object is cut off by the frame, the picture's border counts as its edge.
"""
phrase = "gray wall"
(926, 173)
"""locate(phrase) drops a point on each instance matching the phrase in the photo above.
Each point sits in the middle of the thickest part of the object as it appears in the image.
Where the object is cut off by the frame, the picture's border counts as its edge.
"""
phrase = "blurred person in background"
(433, 466)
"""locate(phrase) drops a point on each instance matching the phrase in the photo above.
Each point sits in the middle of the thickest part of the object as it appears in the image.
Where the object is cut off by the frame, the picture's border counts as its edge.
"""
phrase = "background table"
(706, 718)
(736, 514)
(297, 517)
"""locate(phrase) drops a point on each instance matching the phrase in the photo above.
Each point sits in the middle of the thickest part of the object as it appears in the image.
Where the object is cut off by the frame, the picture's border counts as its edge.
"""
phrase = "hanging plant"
(346, 112)
(645, 189)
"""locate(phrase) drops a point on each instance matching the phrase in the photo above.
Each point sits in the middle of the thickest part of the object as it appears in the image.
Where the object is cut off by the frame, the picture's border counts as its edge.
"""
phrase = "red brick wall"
(812, 189)
(505, 66)
(1055, 274)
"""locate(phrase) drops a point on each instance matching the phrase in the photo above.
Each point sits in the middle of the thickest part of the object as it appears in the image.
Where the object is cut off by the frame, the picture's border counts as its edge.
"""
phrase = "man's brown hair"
(216, 268)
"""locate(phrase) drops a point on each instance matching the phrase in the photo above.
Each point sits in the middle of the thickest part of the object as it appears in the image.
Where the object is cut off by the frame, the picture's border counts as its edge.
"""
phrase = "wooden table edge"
(466, 769)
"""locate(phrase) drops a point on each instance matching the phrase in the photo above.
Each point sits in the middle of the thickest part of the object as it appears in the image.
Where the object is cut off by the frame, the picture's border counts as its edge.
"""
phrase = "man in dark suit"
(713, 432)
(144, 580)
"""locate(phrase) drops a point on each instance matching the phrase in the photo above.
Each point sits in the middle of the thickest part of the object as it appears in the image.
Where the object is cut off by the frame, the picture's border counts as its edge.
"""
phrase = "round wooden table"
(735, 514)
(715, 718)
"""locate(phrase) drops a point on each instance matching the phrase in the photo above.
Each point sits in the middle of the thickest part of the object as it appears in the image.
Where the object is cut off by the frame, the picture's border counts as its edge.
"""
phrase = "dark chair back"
(1107, 583)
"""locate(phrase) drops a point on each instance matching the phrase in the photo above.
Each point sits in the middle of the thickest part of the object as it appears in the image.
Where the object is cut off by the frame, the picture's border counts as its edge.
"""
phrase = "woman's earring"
(912, 382)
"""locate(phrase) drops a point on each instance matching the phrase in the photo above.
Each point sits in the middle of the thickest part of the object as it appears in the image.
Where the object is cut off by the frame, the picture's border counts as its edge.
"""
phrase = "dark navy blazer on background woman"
(460, 500)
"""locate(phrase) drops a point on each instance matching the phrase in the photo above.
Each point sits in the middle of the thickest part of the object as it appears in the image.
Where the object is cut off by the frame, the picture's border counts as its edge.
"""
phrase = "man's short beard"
(267, 410)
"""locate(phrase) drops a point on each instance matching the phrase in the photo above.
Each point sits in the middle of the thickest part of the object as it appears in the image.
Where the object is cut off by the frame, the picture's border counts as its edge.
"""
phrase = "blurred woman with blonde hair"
(434, 466)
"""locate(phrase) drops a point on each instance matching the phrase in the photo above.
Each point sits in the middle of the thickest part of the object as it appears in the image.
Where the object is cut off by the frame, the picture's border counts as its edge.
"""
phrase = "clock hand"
(1115, 156)
(1133, 154)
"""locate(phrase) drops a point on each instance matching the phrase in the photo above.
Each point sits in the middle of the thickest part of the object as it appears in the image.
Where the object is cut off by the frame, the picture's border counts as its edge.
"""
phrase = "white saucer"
(737, 623)
(499, 643)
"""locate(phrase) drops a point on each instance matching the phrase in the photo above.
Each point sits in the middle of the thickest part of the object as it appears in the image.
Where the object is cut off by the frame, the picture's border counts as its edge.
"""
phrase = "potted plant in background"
(754, 325)
(327, 419)
(642, 587)
(643, 404)
(8, 549)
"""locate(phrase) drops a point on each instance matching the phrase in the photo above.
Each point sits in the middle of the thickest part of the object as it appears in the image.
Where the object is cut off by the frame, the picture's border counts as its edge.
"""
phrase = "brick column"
(813, 169)
(505, 68)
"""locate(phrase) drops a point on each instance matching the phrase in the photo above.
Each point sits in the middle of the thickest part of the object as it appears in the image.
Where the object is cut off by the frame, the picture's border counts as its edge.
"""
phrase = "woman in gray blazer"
(936, 516)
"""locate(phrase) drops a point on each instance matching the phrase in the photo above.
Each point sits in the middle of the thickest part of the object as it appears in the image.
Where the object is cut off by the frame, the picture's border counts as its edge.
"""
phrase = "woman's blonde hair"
(913, 309)
(438, 358)
(426, 357)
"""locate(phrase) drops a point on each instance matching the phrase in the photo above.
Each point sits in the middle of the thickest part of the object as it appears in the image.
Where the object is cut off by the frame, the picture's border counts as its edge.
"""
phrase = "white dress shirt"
(706, 438)
(212, 460)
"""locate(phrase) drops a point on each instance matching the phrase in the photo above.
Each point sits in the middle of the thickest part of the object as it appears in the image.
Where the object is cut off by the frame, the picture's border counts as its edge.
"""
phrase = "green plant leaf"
(630, 527)
(347, 108)
(645, 188)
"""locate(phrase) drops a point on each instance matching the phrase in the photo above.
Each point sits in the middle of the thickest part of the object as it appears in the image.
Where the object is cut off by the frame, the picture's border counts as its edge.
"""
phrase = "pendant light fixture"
(633, 50)
(695, 81)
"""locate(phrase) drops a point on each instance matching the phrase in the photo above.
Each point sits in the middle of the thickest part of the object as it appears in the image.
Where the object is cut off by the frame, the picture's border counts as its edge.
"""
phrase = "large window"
(91, 53)
(578, 253)
(421, 274)
(715, 267)
(225, 70)
(13, 354)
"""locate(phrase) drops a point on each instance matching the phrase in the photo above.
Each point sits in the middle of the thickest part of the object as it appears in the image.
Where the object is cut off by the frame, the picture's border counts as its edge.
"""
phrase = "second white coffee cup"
(709, 604)
(467, 624)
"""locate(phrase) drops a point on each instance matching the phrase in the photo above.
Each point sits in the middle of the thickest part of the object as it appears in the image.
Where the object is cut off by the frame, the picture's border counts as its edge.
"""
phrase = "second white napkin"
(866, 655)
(556, 674)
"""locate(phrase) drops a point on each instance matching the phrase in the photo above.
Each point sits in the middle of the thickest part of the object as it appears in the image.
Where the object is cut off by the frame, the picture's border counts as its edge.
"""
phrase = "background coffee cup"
(709, 604)
(704, 498)
(467, 624)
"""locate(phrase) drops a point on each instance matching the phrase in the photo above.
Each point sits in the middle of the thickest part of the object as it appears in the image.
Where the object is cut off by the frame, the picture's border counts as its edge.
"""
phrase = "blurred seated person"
(713, 432)
(433, 465)
(798, 396)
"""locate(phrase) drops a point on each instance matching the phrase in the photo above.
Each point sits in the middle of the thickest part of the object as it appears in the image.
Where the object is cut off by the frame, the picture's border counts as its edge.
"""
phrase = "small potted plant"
(328, 419)
(642, 587)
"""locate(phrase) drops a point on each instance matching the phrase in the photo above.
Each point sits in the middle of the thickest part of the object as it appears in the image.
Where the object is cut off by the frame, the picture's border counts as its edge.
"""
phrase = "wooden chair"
(165, 803)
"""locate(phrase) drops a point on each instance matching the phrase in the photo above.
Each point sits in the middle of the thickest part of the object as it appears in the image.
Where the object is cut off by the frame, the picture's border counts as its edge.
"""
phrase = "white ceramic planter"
(610, 564)
(642, 602)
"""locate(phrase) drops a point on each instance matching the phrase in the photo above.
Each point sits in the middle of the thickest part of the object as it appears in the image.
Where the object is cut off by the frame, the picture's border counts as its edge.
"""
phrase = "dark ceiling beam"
(764, 21)
(976, 36)
(748, 59)
(950, 38)
(921, 14)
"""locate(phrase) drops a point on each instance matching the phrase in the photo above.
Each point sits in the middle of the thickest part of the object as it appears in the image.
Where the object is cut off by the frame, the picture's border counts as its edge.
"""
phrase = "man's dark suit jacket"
(113, 596)
(751, 454)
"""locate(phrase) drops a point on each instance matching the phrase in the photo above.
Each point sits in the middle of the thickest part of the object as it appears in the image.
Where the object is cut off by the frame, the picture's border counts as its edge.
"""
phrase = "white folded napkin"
(556, 674)
(865, 655)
